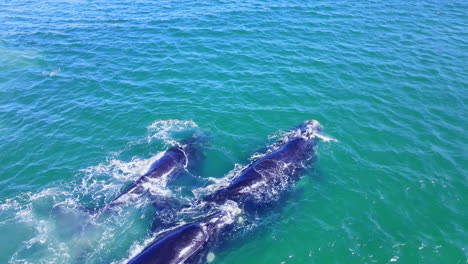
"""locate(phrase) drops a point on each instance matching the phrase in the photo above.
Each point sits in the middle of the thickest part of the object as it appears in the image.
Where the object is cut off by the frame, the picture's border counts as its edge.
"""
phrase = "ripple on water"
(387, 79)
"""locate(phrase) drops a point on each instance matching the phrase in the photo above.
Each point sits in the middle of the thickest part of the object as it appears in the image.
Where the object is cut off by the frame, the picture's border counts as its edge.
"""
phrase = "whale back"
(275, 170)
(185, 243)
(174, 247)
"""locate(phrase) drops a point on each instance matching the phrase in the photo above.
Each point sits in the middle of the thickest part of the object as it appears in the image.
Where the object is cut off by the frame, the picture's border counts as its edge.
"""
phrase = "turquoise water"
(92, 91)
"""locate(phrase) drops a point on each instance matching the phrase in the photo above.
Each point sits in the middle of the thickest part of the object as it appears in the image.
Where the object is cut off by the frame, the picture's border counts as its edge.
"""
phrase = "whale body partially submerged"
(272, 173)
(175, 160)
(185, 243)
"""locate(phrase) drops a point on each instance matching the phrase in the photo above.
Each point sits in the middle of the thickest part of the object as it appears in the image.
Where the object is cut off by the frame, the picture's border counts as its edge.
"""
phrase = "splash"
(309, 130)
(219, 183)
(96, 179)
(123, 170)
(52, 73)
(61, 231)
(232, 209)
(164, 129)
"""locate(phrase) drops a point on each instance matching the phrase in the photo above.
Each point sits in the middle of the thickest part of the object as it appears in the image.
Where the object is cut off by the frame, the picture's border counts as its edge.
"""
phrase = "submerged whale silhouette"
(271, 173)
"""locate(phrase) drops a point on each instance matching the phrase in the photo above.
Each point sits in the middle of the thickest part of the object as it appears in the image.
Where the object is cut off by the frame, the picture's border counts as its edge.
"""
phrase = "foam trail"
(51, 225)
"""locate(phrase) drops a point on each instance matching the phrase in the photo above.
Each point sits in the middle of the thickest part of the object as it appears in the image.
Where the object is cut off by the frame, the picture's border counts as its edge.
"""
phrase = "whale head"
(309, 129)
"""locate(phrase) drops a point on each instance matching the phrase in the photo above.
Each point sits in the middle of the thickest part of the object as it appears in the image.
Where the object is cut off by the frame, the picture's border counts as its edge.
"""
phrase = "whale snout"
(314, 124)
(310, 128)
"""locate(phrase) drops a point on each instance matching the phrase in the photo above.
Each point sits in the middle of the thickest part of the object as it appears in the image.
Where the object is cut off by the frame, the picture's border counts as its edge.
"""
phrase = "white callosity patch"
(312, 129)
(52, 73)
(227, 215)
(256, 186)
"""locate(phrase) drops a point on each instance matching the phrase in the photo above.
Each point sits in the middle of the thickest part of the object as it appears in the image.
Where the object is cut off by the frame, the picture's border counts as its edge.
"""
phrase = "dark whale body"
(273, 172)
(174, 160)
(185, 243)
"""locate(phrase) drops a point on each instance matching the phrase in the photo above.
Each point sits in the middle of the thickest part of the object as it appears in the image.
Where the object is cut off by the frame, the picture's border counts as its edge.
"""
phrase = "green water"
(91, 91)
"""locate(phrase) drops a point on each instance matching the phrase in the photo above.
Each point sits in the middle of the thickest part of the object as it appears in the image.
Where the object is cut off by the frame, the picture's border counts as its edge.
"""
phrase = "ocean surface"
(92, 92)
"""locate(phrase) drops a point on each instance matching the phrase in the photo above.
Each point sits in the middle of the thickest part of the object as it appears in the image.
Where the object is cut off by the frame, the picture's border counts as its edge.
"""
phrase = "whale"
(188, 243)
(176, 159)
(270, 174)
(275, 171)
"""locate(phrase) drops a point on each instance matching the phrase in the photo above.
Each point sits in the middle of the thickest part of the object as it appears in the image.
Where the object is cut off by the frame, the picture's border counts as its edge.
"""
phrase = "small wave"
(219, 183)
(163, 130)
(122, 170)
(104, 181)
(136, 248)
(61, 231)
(96, 178)
(52, 73)
(313, 134)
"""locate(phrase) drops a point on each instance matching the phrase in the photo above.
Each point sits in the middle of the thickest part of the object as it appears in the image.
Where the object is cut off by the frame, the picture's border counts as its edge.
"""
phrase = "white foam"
(123, 170)
(219, 183)
(52, 73)
(325, 138)
(312, 130)
(106, 179)
(137, 247)
(162, 129)
(233, 210)
(93, 232)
